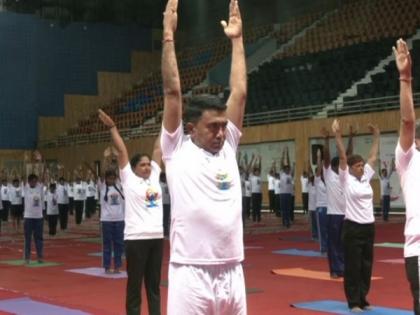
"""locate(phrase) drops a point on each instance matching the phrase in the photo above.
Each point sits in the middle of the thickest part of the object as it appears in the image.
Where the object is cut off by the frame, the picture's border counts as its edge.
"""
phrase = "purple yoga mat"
(98, 272)
(27, 306)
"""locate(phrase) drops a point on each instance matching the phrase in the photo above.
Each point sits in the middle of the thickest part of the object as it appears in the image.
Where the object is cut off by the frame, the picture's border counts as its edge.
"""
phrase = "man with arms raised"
(205, 273)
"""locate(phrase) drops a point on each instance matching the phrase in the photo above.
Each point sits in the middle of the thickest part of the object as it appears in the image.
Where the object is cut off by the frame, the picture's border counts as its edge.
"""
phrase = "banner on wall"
(269, 152)
(362, 145)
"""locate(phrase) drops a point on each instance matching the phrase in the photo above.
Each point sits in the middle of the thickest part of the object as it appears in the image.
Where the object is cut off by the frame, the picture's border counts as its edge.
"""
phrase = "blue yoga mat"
(337, 307)
(27, 306)
(298, 252)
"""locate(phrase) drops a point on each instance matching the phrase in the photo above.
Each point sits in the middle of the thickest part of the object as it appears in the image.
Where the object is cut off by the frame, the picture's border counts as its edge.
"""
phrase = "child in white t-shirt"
(52, 209)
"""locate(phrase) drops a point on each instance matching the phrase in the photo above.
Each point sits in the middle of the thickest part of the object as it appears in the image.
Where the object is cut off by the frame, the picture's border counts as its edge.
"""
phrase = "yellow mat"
(310, 274)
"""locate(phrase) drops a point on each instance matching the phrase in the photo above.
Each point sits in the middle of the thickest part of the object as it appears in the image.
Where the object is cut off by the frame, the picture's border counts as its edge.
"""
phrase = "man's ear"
(190, 128)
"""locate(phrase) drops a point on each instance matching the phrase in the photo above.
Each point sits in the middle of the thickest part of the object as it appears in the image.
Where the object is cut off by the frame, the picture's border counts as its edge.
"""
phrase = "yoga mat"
(298, 252)
(98, 272)
(32, 264)
(27, 306)
(393, 261)
(390, 245)
(309, 274)
(95, 240)
(337, 307)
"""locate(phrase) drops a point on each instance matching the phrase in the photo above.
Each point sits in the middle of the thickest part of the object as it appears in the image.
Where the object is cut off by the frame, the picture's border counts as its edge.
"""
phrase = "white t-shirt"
(277, 189)
(166, 198)
(304, 184)
(335, 195)
(79, 191)
(248, 192)
(90, 189)
(70, 190)
(311, 197)
(270, 180)
(34, 201)
(113, 208)
(255, 184)
(206, 202)
(62, 194)
(143, 204)
(408, 168)
(321, 193)
(52, 204)
(359, 195)
(5, 192)
(385, 186)
(15, 195)
(286, 184)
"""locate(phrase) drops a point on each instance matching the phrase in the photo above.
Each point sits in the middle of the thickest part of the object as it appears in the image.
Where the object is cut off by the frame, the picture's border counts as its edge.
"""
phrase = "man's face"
(209, 132)
(143, 168)
(357, 169)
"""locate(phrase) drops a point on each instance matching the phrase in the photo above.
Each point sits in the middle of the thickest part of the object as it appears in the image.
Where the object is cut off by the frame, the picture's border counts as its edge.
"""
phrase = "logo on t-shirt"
(151, 198)
(114, 200)
(36, 201)
(223, 180)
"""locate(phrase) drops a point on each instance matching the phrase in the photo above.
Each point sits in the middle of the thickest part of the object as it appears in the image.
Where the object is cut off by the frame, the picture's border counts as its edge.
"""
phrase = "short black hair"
(109, 173)
(52, 186)
(200, 103)
(136, 159)
(32, 177)
(353, 159)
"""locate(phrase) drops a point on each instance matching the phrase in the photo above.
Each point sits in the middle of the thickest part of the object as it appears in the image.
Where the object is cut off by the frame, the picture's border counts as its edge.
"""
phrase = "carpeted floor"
(267, 292)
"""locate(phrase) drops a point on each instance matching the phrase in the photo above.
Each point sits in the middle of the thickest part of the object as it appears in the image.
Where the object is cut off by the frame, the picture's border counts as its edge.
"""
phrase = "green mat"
(390, 245)
(32, 264)
(95, 240)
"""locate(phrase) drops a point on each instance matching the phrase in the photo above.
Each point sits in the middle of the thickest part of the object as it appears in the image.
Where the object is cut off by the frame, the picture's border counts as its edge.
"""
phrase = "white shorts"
(206, 290)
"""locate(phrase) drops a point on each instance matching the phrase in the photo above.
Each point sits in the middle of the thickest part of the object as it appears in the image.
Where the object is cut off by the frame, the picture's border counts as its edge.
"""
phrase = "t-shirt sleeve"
(343, 175)
(126, 173)
(233, 135)
(402, 159)
(171, 142)
(369, 171)
(156, 170)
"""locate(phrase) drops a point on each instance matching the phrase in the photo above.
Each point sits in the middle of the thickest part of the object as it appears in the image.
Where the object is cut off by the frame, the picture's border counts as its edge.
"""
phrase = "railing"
(254, 119)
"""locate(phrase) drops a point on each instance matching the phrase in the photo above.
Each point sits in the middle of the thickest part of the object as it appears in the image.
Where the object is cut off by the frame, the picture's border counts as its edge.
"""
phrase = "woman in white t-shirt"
(358, 227)
(256, 190)
(52, 209)
(385, 177)
(112, 221)
(79, 196)
(91, 195)
(312, 206)
(143, 232)
(16, 203)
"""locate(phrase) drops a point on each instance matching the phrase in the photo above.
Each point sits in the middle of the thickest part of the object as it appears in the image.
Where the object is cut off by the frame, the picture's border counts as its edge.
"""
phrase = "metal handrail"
(253, 119)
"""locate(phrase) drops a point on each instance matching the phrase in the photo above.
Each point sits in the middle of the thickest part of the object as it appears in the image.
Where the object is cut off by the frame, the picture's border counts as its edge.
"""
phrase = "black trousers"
(305, 201)
(5, 211)
(412, 271)
(256, 206)
(292, 207)
(166, 219)
(71, 205)
(144, 259)
(271, 201)
(90, 206)
(358, 260)
(78, 207)
(52, 224)
(63, 213)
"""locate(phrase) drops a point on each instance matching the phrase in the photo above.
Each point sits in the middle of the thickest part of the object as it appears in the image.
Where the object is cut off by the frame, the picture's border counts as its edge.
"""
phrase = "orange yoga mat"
(310, 274)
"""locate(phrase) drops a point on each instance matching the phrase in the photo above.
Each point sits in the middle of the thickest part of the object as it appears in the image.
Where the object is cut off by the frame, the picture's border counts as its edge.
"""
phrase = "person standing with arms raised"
(407, 162)
(205, 272)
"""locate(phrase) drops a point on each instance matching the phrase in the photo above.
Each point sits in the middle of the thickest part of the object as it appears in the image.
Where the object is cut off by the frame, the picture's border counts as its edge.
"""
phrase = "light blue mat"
(298, 252)
(27, 306)
(337, 307)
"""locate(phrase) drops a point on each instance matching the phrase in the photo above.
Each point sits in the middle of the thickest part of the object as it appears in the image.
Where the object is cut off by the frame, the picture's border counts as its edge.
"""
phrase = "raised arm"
(326, 148)
(157, 152)
(340, 145)
(352, 133)
(238, 79)
(374, 150)
(318, 163)
(248, 165)
(408, 116)
(116, 139)
(172, 94)
(392, 168)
